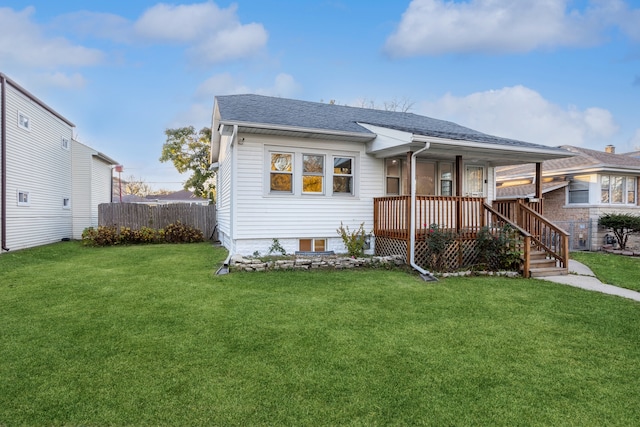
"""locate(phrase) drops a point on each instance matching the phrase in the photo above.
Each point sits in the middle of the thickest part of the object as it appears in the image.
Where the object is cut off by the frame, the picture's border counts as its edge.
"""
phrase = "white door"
(474, 181)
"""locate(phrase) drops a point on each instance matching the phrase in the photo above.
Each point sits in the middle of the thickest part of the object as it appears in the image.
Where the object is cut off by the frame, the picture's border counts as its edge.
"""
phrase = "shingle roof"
(272, 111)
(585, 159)
(527, 190)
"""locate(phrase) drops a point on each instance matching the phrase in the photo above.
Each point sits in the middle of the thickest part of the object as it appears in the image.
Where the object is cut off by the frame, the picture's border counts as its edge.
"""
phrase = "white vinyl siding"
(92, 181)
(36, 164)
(262, 215)
(223, 192)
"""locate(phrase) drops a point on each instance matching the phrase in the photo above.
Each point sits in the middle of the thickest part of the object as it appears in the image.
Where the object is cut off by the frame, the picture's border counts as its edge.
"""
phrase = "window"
(281, 175)
(579, 190)
(298, 172)
(393, 176)
(617, 189)
(631, 190)
(65, 143)
(343, 175)
(446, 179)
(23, 121)
(23, 198)
(312, 245)
(66, 203)
(312, 173)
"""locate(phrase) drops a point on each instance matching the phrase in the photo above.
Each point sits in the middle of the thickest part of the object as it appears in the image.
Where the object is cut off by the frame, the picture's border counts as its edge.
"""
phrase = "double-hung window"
(615, 189)
(579, 190)
(343, 175)
(281, 174)
(312, 173)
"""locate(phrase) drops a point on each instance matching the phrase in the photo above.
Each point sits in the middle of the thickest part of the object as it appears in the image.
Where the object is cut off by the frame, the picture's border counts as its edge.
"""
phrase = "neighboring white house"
(37, 167)
(294, 170)
(180, 196)
(92, 182)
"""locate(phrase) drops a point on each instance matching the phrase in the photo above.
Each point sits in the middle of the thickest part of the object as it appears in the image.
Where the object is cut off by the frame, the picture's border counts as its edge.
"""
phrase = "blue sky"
(546, 71)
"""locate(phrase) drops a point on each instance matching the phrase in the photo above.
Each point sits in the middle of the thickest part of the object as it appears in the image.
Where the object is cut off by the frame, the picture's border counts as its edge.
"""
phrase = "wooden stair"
(541, 265)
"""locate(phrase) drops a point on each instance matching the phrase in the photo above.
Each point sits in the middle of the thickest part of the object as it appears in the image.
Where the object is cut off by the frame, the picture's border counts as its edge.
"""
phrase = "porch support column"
(458, 192)
(458, 176)
(538, 190)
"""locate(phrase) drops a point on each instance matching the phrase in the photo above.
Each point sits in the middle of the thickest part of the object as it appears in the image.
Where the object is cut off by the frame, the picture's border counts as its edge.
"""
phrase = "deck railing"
(468, 215)
(465, 215)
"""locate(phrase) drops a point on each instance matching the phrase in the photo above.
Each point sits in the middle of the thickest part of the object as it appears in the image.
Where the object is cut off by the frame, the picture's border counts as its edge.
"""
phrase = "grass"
(613, 269)
(146, 335)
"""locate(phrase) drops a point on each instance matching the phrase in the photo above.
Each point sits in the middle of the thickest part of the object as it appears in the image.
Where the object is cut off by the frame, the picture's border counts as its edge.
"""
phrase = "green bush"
(101, 236)
(354, 241)
(180, 233)
(622, 225)
(109, 236)
(498, 249)
(438, 239)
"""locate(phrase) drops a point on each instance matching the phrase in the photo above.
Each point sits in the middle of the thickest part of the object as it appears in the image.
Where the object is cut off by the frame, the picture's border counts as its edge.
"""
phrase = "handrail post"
(527, 256)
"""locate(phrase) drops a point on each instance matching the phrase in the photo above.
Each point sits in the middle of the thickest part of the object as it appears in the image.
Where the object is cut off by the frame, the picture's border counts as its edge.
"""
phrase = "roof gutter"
(3, 165)
(426, 275)
(357, 135)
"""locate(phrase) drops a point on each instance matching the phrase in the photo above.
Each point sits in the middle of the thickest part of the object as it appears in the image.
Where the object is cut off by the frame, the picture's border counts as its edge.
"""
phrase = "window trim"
(351, 175)
(625, 179)
(313, 244)
(27, 196)
(580, 179)
(297, 168)
(21, 123)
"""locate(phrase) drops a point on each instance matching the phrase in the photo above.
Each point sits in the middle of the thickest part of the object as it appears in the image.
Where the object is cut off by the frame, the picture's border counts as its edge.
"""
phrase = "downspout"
(426, 275)
(3, 166)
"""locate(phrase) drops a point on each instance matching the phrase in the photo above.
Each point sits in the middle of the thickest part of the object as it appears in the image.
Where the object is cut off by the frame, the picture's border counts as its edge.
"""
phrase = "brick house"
(578, 190)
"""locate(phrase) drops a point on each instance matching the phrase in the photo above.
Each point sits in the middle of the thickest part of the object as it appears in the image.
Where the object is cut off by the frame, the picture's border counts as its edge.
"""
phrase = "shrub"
(622, 225)
(498, 249)
(101, 236)
(438, 239)
(354, 241)
(181, 233)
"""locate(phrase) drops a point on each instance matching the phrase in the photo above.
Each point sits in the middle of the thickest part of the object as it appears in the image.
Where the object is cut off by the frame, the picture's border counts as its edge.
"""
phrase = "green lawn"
(613, 269)
(146, 335)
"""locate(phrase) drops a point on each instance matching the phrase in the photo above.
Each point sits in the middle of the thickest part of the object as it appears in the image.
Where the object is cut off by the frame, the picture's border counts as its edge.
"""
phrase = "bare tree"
(135, 186)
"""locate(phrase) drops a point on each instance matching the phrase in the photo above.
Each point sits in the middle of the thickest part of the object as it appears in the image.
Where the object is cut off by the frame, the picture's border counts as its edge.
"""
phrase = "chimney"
(610, 149)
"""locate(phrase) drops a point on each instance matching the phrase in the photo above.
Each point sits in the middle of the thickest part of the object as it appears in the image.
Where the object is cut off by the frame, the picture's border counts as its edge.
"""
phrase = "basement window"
(312, 245)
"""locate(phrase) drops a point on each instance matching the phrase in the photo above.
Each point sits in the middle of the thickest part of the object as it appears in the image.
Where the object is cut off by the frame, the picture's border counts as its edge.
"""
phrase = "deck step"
(547, 271)
(542, 263)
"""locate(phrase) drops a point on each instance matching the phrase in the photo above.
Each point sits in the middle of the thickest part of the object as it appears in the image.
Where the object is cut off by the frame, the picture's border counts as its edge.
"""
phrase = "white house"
(295, 170)
(92, 184)
(37, 201)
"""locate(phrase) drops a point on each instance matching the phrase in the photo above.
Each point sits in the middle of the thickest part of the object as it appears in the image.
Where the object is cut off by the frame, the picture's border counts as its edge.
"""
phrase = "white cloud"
(101, 25)
(284, 85)
(220, 84)
(213, 34)
(521, 113)
(183, 23)
(431, 27)
(24, 43)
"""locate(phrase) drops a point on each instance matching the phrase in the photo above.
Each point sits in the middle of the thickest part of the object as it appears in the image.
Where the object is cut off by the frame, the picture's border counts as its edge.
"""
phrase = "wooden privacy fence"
(136, 216)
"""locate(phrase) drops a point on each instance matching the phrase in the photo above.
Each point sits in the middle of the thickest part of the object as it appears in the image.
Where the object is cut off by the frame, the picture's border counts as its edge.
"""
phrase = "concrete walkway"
(581, 276)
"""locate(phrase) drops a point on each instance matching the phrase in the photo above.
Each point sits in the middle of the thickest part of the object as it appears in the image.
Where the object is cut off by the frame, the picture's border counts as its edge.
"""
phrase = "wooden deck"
(466, 216)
